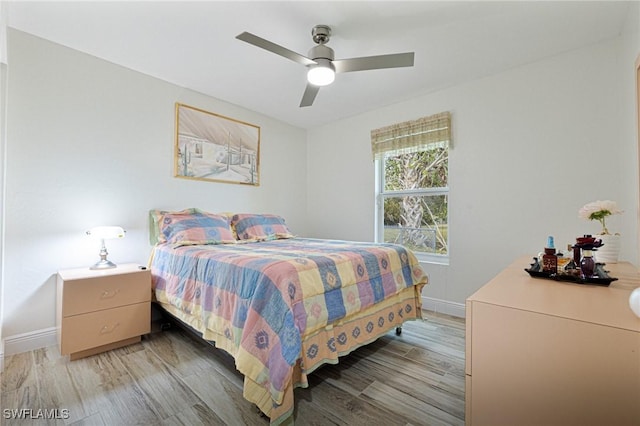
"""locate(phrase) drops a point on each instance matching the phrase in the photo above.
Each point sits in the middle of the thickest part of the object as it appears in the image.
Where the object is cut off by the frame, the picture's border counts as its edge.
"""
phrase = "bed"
(281, 305)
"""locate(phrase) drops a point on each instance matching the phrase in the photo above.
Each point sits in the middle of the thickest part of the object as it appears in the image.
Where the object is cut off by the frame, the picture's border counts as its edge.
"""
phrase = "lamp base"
(104, 264)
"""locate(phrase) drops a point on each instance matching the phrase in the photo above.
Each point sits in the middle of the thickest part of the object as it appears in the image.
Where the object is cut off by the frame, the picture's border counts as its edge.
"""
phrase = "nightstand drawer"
(99, 328)
(105, 292)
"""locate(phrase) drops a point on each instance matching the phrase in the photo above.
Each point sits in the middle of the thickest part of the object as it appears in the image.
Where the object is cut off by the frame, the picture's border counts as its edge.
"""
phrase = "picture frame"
(212, 147)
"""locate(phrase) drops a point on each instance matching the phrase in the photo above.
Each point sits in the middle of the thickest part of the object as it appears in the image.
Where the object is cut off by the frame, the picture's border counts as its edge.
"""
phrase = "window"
(412, 189)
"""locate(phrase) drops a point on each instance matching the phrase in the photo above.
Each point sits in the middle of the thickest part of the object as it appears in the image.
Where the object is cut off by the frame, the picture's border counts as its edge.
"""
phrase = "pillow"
(155, 219)
(259, 227)
(187, 228)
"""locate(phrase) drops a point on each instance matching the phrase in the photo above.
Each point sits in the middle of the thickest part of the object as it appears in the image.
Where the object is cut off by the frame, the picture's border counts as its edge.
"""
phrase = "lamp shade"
(106, 232)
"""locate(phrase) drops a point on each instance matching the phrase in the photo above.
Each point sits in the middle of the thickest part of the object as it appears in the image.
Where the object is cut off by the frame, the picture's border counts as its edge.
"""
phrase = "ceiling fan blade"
(275, 48)
(395, 60)
(309, 95)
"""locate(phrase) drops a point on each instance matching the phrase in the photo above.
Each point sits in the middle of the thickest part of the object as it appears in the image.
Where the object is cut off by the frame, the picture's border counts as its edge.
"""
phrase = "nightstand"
(100, 310)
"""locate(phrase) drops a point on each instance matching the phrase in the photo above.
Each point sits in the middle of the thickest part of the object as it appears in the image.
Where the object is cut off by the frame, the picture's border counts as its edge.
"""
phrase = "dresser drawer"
(105, 292)
(99, 328)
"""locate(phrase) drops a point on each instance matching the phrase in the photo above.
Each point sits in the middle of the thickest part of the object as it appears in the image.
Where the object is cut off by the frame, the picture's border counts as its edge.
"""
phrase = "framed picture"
(216, 148)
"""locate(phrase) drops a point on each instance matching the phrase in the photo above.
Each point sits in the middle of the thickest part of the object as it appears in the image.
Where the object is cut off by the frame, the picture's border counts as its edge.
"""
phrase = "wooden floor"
(169, 378)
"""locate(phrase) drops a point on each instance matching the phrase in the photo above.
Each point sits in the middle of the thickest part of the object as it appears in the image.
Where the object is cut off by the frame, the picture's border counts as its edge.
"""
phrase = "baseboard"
(444, 307)
(29, 341)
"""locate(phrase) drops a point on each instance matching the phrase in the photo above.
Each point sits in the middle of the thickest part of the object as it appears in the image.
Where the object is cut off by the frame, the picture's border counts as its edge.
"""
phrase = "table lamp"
(104, 233)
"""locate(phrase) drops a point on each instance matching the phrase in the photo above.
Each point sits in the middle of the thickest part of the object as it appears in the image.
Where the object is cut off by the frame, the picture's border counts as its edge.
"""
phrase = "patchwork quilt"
(282, 308)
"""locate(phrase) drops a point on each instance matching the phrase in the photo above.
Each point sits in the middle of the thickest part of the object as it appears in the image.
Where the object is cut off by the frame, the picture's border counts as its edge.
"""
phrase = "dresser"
(542, 352)
(99, 310)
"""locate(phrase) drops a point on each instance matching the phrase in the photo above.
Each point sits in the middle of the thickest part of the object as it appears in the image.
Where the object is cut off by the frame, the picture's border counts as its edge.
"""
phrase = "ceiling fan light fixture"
(321, 74)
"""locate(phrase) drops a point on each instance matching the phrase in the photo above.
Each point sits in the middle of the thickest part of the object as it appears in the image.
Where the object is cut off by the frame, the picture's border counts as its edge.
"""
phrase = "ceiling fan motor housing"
(321, 52)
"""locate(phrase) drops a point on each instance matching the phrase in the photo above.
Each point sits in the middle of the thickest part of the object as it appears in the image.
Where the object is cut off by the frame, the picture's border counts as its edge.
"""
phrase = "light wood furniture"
(542, 352)
(99, 310)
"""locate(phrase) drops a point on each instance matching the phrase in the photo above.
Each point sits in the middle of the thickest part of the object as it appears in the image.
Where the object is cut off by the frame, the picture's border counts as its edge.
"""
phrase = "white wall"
(530, 147)
(91, 143)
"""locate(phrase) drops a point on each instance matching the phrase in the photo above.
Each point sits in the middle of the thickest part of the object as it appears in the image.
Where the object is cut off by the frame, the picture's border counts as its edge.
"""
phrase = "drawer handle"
(109, 294)
(106, 329)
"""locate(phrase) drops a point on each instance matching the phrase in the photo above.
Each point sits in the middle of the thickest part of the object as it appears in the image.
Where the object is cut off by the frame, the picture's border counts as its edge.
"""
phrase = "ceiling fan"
(321, 63)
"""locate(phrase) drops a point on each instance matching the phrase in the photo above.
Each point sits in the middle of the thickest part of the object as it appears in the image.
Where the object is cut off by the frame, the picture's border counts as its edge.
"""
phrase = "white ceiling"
(193, 44)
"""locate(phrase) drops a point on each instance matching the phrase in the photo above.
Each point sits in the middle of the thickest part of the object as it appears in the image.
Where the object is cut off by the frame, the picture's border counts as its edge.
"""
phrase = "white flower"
(599, 210)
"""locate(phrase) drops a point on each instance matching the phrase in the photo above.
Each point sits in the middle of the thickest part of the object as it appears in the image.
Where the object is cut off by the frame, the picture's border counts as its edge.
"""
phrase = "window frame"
(381, 194)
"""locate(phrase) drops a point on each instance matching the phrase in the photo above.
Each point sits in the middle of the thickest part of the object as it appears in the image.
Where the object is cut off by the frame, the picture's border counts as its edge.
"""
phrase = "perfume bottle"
(550, 259)
(587, 264)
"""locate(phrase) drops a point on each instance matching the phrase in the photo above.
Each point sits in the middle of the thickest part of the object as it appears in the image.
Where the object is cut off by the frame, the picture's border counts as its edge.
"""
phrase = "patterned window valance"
(412, 136)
